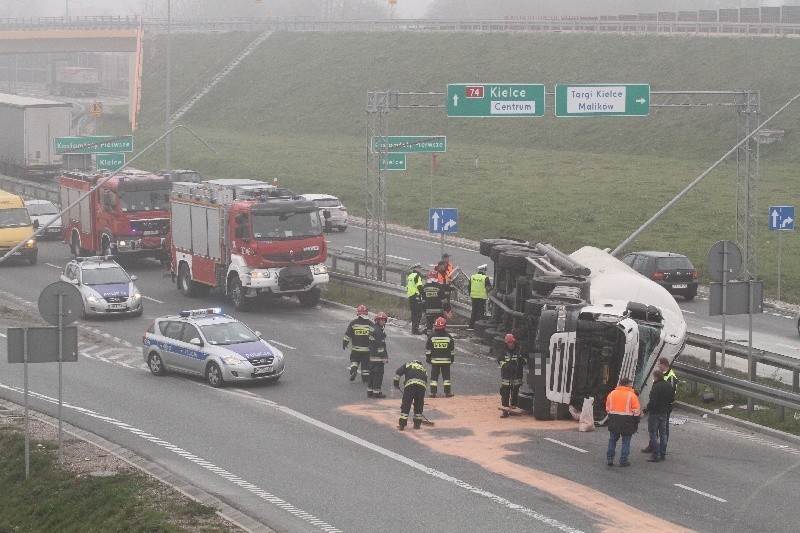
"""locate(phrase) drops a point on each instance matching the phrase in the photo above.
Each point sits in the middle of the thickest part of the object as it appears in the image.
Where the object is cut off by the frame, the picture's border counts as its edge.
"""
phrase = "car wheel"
(155, 364)
(185, 283)
(689, 295)
(214, 375)
(33, 258)
(236, 292)
(342, 229)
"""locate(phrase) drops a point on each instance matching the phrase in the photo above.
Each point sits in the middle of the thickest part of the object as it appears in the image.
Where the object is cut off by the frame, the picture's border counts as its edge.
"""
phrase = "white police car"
(208, 343)
(104, 285)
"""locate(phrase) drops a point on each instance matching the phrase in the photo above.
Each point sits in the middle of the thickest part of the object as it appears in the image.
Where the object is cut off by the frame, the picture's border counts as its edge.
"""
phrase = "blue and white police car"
(208, 343)
(105, 287)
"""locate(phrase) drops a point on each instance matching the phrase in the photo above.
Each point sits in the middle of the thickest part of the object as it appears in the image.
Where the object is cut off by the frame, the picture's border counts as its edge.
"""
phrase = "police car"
(104, 285)
(208, 343)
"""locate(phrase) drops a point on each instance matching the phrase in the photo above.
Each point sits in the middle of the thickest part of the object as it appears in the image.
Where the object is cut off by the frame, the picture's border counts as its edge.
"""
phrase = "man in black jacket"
(661, 396)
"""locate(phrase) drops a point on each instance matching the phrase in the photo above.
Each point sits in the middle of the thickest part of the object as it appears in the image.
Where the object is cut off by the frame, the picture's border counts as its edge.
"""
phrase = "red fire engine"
(127, 216)
(244, 238)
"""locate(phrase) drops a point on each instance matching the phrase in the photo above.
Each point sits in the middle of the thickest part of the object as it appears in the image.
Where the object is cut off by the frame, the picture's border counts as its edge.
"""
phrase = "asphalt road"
(312, 453)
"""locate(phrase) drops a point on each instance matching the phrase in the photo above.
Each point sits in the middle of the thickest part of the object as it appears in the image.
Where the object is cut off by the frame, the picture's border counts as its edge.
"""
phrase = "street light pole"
(167, 143)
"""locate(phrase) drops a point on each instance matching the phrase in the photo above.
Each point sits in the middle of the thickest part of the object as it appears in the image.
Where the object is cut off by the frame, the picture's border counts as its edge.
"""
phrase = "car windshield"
(104, 276)
(286, 226)
(673, 263)
(42, 209)
(328, 202)
(14, 217)
(157, 200)
(228, 333)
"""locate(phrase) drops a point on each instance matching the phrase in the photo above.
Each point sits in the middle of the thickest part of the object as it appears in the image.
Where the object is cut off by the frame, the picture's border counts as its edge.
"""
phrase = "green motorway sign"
(494, 100)
(393, 161)
(93, 144)
(410, 144)
(110, 161)
(603, 100)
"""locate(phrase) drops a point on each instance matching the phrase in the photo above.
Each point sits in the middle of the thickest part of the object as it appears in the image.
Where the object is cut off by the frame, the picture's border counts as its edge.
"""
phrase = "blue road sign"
(781, 218)
(443, 220)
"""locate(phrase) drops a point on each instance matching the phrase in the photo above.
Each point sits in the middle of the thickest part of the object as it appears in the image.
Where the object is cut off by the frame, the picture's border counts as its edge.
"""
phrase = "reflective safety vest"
(477, 286)
(623, 401)
(358, 333)
(440, 349)
(415, 374)
(413, 284)
(672, 378)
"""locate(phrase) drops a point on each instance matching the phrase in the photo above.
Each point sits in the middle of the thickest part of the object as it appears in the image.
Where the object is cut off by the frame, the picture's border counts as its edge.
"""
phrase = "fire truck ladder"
(232, 65)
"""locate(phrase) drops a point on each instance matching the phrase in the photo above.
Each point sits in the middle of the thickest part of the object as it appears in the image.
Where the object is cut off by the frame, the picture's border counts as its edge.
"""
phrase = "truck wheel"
(236, 292)
(185, 283)
(309, 298)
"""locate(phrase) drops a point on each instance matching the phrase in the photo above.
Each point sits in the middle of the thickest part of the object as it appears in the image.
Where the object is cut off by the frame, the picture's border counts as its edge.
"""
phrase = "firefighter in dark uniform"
(511, 372)
(440, 352)
(479, 288)
(414, 283)
(435, 300)
(357, 333)
(377, 356)
(413, 392)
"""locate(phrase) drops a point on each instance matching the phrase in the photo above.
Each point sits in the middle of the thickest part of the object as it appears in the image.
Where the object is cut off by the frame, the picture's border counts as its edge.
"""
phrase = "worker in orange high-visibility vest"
(623, 408)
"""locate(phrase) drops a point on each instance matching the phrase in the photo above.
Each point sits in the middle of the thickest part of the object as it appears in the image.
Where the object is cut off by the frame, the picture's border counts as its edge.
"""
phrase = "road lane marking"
(688, 312)
(233, 478)
(403, 459)
(707, 495)
(152, 299)
(2, 335)
(281, 344)
(570, 446)
(398, 257)
(52, 265)
(355, 248)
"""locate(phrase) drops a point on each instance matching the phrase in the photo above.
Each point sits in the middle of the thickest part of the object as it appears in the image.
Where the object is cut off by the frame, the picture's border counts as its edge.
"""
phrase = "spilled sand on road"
(469, 427)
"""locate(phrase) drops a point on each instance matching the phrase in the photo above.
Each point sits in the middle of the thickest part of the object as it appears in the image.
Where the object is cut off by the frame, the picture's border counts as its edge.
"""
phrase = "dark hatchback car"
(674, 272)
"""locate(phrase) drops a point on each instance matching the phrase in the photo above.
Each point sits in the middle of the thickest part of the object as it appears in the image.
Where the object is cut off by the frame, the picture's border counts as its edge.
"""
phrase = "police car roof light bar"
(202, 312)
(94, 258)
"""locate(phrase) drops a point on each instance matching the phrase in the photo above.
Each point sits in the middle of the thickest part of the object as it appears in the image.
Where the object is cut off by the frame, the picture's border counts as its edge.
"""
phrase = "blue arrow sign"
(781, 218)
(443, 220)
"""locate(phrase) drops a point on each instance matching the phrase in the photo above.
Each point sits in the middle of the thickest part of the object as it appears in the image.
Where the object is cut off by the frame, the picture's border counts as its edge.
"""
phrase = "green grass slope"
(295, 110)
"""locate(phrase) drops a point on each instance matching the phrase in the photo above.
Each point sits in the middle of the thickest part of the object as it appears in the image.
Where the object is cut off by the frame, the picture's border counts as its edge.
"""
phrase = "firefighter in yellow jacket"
(357, 333)
(439, 353)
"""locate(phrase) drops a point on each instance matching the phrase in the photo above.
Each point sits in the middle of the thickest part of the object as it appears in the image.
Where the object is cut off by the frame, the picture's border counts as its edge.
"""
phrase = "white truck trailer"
(29, 127)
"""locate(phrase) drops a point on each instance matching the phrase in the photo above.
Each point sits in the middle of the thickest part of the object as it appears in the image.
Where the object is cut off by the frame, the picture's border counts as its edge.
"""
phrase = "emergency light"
(94, 258)
(201, 312)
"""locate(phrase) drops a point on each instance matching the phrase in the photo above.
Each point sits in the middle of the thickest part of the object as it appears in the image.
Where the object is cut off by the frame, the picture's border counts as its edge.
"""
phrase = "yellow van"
(15, 227)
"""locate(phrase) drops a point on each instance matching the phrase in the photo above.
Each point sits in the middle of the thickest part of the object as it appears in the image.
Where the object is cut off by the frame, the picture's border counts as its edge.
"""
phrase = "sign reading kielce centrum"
(592, 100)
(495, 100)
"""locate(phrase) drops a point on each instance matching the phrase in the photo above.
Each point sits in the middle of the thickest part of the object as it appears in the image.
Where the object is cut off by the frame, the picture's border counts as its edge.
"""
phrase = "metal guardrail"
(30, 189)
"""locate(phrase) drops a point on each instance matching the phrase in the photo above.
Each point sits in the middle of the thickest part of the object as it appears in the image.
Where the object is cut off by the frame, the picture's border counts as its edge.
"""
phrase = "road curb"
(152, 469)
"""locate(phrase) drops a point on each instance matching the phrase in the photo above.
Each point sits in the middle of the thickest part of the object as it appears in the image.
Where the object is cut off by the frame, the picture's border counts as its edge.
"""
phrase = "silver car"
(42, 211)
(332, 207)
(208, 343)
(105, 287)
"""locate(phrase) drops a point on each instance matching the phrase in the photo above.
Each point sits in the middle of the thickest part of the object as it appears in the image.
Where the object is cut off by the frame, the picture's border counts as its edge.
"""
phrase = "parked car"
(42, 211)
(105, 286)
(208, 343)
(672, 271)
(333, 206)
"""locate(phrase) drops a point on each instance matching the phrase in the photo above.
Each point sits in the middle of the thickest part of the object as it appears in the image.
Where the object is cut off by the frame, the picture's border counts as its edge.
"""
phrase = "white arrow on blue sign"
(443, 220)
(781, 218)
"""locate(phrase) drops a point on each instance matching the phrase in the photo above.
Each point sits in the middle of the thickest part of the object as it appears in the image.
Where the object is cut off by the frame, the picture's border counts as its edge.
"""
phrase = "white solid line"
(355, 248)
(398, 257)
(152, 299)
(688, 312)
(281, 344)
(52, 265)
(701, 493)
(567, 445)
(712, 329)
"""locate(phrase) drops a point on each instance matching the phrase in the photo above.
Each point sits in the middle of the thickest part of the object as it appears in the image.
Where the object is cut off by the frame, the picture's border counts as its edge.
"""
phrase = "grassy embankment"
(294, 110)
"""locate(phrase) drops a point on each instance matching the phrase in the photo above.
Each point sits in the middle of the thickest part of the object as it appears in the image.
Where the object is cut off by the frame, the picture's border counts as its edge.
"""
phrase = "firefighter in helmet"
(413, 392)
(435, 300)
(439, 353)
(377, 355)
(357, 333)
(511, 372)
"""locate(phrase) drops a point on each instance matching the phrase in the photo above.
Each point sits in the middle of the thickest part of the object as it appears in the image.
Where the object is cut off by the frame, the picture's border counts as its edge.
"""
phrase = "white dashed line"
(570, 446)
(281, 344)
(52, 265)
(152, 299)
(700, 492)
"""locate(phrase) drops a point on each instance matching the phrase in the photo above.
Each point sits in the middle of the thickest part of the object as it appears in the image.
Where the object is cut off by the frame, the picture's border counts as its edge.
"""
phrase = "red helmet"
(381, 316)
(362, 310)
(439, 323)
(510, 339)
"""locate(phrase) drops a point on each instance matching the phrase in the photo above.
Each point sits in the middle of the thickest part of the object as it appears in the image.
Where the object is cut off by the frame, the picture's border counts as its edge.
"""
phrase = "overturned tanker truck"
(583, 321)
